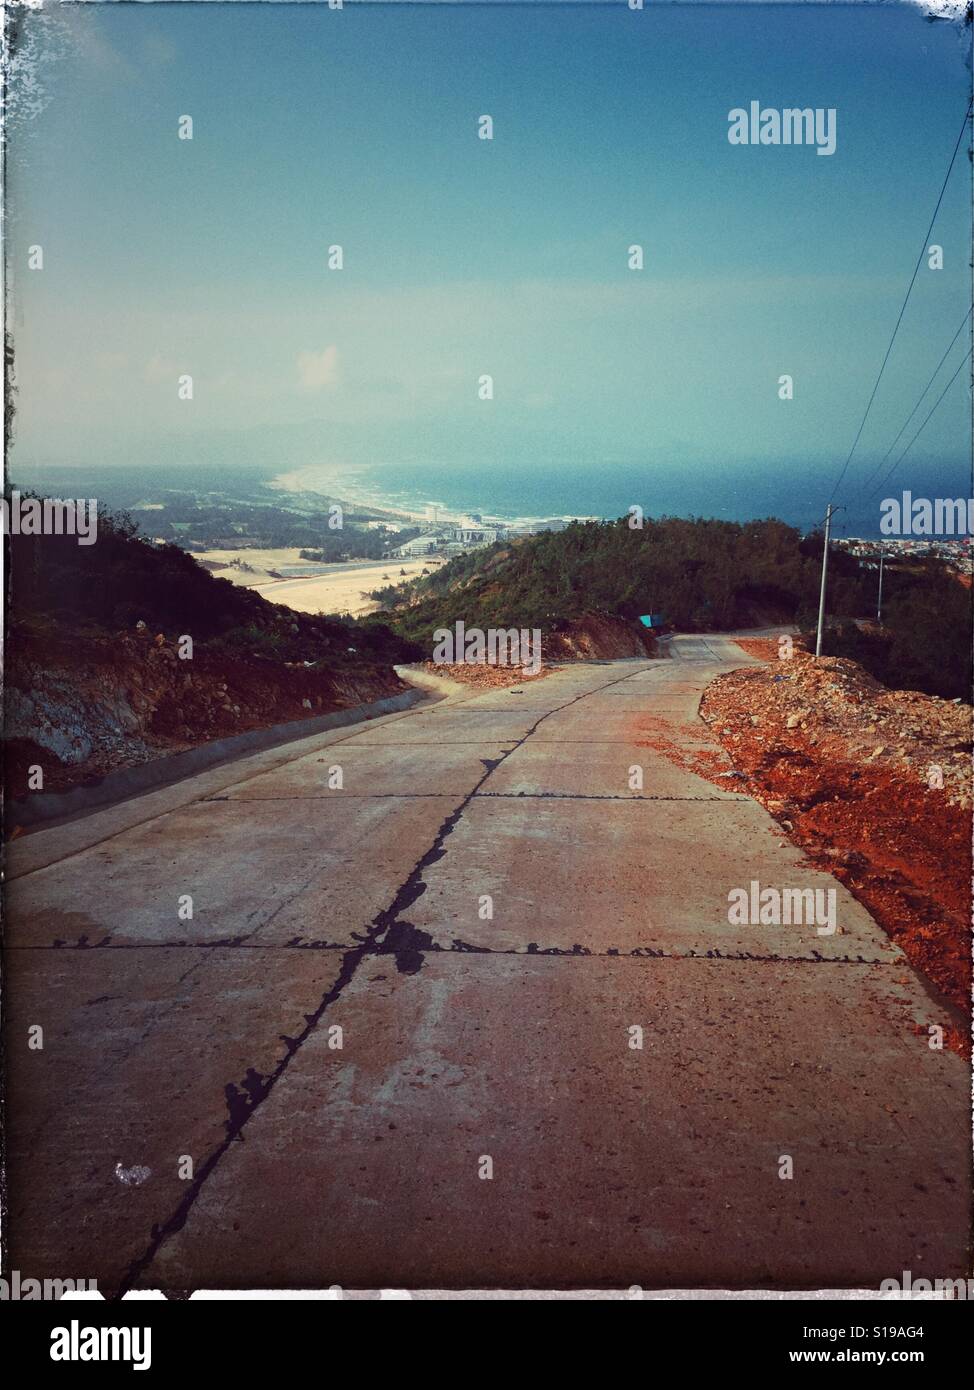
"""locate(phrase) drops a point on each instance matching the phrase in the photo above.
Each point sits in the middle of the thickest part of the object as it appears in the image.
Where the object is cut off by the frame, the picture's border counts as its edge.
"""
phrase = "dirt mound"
(922, 738)
(482, 674)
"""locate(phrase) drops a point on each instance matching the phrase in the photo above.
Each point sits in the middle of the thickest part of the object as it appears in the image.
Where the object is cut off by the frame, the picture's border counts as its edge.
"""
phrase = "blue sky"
(464, 257)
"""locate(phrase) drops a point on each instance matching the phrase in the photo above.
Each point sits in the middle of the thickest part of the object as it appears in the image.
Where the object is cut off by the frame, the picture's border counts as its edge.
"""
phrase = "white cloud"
(159, 369)
(316, 370)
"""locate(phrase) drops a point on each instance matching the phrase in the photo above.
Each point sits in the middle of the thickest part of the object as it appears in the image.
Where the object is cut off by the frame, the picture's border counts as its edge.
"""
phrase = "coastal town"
(448, 536)
(956, 552)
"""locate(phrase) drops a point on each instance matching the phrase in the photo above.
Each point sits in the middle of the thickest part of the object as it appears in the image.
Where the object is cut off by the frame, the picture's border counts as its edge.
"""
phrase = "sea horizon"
(511, 494)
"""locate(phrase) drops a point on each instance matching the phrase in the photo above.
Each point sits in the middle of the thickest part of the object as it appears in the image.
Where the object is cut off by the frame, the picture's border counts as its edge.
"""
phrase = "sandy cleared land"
(341, 590)
(250, 568)
(344, 590)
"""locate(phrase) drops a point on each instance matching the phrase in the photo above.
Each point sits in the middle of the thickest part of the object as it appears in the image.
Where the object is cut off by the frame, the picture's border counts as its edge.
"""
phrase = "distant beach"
(345, 484)
(374, 489)
(519, 496)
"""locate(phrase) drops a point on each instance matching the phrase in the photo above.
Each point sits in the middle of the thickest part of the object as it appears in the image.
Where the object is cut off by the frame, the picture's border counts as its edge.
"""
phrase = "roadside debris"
(483, 675)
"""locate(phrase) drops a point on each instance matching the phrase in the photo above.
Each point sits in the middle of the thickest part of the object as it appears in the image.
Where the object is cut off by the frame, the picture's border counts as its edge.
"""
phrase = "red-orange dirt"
(483, 674)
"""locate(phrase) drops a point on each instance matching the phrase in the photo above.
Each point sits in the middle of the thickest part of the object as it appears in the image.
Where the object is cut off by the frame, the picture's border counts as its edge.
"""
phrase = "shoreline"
(330, 482)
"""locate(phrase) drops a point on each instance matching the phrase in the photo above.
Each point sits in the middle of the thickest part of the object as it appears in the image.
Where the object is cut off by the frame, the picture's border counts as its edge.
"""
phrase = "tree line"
(703, 575)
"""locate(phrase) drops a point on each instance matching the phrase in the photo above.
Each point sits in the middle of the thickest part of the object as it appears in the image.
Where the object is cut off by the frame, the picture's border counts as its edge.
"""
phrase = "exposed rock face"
(599, 636)
(82, 705)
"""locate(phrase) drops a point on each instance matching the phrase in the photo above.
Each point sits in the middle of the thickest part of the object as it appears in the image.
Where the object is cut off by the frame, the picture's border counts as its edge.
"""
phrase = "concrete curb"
(161, 772)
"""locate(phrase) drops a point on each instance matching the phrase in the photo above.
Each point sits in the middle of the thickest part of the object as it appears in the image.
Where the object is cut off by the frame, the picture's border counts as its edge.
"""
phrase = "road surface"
(475, 1019)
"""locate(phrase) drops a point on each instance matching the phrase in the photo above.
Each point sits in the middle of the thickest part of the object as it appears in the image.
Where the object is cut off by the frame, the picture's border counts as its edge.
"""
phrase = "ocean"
(796, 495)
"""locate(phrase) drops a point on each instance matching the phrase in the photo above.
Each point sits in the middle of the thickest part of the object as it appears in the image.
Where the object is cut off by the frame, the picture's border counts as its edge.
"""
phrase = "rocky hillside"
(80, 709)
(123, 651)
(598, 637)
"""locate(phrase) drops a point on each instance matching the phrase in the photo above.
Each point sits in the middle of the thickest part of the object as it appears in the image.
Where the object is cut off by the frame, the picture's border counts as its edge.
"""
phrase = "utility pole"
(879, 597)
(825, 565)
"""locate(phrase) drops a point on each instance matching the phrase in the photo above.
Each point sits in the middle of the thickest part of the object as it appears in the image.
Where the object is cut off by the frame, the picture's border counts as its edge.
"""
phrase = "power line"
(916, 271)
(920, 430)
(926, 388)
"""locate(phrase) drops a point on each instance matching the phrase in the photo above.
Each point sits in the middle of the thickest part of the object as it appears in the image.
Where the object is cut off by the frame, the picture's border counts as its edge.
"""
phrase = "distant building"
(420, 545)
(470, 530)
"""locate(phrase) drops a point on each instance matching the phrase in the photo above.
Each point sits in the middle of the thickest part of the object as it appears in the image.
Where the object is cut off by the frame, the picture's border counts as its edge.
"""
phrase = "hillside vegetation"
(122, 580)
(703, 576)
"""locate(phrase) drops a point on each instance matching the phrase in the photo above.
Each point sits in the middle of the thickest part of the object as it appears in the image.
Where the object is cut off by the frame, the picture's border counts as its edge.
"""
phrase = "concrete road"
(452, 999)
